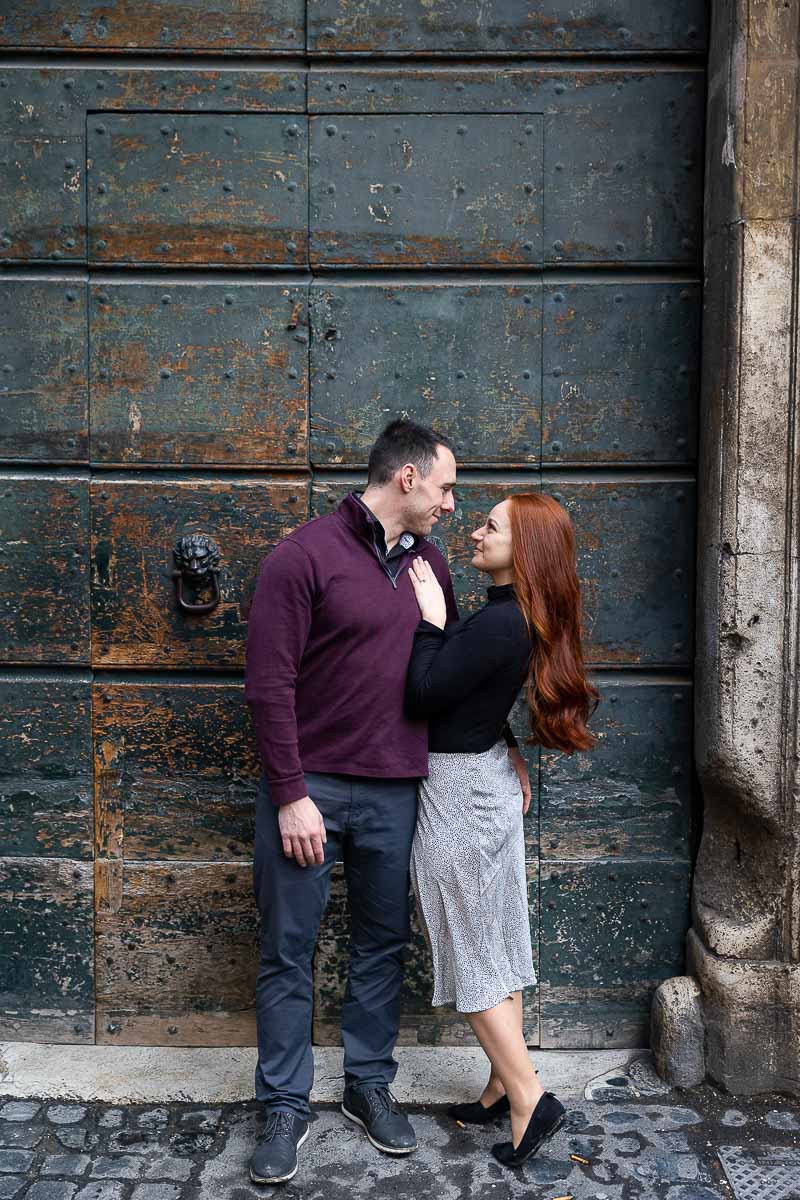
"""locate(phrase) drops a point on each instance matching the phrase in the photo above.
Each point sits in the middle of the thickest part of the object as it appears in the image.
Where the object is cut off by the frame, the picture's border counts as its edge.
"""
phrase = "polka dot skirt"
(468, 874)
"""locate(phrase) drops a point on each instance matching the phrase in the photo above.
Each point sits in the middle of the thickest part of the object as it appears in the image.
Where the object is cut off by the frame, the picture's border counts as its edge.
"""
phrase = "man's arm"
(277, 631)
(280, 618)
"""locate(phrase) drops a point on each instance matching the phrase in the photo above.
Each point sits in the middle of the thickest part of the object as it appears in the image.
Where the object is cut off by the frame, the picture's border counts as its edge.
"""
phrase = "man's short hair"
(402, 442)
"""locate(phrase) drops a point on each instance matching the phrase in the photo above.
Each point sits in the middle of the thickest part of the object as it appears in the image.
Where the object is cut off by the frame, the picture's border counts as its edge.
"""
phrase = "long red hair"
(560, 697)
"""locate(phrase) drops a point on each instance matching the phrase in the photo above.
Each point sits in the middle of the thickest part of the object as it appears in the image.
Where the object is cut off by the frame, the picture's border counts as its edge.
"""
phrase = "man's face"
(431, 497)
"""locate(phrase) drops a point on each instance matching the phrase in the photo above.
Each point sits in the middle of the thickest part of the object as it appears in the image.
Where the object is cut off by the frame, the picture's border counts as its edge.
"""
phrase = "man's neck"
(380, 507)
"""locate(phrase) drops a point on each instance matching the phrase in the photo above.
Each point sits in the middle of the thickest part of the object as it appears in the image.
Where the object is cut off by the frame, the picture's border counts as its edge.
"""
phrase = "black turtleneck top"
(464, 679)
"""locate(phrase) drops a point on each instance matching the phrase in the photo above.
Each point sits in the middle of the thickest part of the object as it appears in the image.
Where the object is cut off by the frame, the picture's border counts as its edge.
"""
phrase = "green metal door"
(234, 244)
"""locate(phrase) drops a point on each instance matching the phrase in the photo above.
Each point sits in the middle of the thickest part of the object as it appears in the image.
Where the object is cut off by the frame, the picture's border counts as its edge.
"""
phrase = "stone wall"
(744, 947)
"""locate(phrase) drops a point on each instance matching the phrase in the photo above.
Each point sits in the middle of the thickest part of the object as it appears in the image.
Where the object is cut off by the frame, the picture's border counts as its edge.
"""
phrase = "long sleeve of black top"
(464, 679)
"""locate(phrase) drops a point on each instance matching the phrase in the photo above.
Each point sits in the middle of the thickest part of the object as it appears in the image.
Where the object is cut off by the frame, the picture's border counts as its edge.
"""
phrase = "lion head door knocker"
(196, 572)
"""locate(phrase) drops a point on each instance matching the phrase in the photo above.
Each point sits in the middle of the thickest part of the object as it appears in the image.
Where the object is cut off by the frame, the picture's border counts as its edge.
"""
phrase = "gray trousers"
(370, 826)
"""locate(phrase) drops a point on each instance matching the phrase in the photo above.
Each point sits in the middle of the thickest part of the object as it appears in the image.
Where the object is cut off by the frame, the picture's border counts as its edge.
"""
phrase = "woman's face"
(493, 540)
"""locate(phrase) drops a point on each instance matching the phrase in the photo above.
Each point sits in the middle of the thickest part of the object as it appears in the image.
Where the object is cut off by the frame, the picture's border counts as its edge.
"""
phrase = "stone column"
(739, 1023)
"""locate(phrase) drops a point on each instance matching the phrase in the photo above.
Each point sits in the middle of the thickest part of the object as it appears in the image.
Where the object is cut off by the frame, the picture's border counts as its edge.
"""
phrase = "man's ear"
(408, 476)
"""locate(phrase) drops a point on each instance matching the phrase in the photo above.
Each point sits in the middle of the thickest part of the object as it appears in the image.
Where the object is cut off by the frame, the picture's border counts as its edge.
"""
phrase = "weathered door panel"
(630, 797)
(43, 383)
(260, 25)
(374, 27)
(462, 356)
(418, 190)
(172, 87)
(44, 569)
(558, 88)
(135, 525)
(611, 930)
(42, 201)
(616, 862)
(46, 930)
(620, 375)
(617, 368)
(59, 95)
(610, 193)
(213, 373)
(197, 188)
(549, 168)
(176, 953)
(176, 770)
(419, 1023)
(46, 765)
(43, 119)
(636, 564)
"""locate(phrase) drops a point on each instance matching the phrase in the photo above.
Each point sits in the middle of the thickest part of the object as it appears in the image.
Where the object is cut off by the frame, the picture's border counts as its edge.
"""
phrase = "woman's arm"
(444, 669)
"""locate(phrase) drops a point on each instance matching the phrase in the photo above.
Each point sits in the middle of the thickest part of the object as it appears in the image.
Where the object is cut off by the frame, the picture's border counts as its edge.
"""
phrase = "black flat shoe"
(547, 1117)
(477, 1113)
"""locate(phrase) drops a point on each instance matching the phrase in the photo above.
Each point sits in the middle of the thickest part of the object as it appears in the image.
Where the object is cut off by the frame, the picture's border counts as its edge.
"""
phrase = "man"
(329, 639)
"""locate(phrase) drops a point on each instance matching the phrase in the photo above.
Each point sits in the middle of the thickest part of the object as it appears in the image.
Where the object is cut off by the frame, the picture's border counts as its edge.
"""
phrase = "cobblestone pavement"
(624, 1143)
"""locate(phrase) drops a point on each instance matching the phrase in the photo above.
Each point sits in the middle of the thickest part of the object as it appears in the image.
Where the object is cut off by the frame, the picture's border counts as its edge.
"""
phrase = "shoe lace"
(279, 1124)
(380, 1099)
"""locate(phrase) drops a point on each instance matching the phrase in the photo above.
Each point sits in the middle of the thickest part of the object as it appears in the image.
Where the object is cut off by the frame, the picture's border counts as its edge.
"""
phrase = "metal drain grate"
(768, 1173)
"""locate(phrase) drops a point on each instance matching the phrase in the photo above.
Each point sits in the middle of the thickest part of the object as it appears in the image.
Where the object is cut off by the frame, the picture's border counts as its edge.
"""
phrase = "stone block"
(677, 1031)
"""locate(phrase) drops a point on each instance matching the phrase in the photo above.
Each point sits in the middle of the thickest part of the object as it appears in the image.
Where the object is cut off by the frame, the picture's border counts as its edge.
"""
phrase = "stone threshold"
(222, 1075)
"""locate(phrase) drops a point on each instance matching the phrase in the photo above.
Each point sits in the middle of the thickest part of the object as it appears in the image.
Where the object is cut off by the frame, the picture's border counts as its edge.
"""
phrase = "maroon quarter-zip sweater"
(328, 643)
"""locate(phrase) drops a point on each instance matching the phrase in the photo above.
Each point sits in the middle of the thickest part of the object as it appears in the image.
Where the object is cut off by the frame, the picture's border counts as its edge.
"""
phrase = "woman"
(468, 857)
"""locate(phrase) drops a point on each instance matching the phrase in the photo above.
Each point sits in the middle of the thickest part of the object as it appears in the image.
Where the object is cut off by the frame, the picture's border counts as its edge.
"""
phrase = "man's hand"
(520, 766)
(302, 831)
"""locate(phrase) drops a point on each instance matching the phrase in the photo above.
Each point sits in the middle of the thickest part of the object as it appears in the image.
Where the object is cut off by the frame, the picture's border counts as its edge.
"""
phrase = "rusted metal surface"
(610, 932)
(136, 619)
(46, 766)
(611, 193)
(373, 27)
(155, 25)
(383, 348)
(630, 797)
(636, 564)
(622, 199)
(567, 90)
(179, 188)
(175, 88)
(614, 363)
(620, 371)
(176, 953)
(42, 165)
(47, 965)
(37, 99)
(42, 200)
(199, 373)
(43, 115)
(176, 770)
(423, 191)
(44, 569)
(43, 383)
(420, 1024)
(474, 169)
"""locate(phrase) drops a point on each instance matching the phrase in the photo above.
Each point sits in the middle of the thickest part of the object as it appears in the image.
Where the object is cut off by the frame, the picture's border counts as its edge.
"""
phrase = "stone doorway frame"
(736, 1016)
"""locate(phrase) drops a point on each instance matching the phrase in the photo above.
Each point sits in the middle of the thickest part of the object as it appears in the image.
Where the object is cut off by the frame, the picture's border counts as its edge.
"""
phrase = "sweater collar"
(503, 591)
(365, 524)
